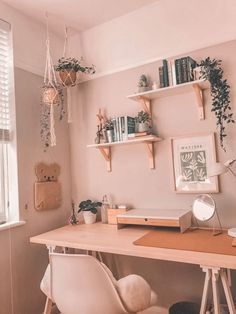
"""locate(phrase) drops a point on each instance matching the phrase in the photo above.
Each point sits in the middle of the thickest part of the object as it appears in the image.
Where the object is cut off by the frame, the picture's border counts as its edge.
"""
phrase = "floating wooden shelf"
(148, 141)
(196, 87)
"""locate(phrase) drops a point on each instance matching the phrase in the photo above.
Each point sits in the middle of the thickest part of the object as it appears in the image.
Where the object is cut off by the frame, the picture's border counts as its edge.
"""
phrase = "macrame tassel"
(52, 126)
(69, 105)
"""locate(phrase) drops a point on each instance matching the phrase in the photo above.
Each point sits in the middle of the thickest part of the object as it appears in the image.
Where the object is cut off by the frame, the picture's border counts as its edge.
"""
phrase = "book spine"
(170, 74)
(161, 78)
(172, 64)
(126, 128)
(122, 128)
(184, 67)
(118, 129)
(165, 73)
(178, 71)
(130, 125)
(115, 130)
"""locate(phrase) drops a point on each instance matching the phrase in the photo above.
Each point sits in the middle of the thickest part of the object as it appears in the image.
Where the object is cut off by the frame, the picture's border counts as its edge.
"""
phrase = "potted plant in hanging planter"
(143, 122)
(89, 209)
(50, 94)
(68, 69)
(220, 92)
(109, 130)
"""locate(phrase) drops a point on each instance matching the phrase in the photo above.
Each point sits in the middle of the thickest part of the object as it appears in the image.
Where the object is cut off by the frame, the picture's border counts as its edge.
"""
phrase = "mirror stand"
(219, 230)
(204, 209)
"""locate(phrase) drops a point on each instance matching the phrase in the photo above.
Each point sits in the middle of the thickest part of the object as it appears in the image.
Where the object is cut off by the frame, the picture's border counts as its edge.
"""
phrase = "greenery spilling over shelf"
(211, 70)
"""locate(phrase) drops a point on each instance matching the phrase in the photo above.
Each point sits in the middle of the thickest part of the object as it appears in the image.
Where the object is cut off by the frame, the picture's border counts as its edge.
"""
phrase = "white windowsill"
(11, 224)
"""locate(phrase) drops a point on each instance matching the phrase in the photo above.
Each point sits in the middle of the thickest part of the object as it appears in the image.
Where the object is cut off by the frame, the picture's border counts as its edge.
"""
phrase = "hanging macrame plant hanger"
(68, 79)
(51, 95)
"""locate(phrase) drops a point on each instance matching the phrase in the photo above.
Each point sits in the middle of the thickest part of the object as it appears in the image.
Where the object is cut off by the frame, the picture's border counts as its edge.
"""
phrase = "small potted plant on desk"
(89, 209)
(143, 122)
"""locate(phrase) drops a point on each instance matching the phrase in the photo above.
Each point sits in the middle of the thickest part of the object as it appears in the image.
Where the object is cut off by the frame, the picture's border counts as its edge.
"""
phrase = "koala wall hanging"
(47, 189)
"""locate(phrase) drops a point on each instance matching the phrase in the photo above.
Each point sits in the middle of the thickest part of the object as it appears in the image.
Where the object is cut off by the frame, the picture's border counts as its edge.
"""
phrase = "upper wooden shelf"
(148, 141)
(170, 90)
(195, 86)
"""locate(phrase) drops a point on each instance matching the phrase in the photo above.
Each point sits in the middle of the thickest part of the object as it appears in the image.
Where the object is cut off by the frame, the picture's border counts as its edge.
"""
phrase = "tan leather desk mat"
(192, 240)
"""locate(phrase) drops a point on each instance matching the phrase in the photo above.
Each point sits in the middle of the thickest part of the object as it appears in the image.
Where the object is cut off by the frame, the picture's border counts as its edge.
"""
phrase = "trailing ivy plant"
(211, 70)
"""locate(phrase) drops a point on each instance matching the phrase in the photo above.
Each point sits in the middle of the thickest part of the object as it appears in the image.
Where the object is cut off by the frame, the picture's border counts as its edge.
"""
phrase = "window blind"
(4, 81)
(5, 68)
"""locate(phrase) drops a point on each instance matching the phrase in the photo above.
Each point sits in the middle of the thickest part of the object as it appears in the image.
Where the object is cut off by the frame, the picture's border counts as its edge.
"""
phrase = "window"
(6, 123)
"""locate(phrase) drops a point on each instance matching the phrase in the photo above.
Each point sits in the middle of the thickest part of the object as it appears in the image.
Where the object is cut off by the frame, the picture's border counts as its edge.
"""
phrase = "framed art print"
(192, 157)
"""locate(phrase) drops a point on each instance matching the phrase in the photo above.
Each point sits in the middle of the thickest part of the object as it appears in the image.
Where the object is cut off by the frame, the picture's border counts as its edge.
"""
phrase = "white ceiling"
(78, 14)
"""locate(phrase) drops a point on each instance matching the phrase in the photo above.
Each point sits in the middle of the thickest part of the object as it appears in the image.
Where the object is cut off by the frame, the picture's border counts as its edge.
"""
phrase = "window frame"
(12, 205)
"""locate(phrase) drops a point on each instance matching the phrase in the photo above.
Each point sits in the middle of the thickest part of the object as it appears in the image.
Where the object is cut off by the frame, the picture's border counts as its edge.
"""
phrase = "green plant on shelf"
(143, 117)
(143, 81)
(220, 92)
(108, 125)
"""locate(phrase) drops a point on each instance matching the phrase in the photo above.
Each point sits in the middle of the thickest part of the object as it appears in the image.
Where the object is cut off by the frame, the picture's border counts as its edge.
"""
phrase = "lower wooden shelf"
(147, 141)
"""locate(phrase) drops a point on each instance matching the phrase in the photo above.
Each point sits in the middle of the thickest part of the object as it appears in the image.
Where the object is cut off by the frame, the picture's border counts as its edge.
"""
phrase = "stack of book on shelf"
(138, 135)
(177, 71)
(123, 126)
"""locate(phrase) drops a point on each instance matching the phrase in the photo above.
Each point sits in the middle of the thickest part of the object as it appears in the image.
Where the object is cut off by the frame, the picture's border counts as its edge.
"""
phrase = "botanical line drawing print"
(193, 166)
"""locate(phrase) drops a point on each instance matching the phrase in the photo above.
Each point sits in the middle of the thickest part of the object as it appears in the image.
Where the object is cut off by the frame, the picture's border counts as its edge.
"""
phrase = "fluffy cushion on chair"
(45, 284)
(135, 293)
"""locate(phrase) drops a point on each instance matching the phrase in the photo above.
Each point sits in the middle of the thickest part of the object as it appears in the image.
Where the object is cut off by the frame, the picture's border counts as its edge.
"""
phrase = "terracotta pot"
(50, 95)
(68, 77)
(89, 217)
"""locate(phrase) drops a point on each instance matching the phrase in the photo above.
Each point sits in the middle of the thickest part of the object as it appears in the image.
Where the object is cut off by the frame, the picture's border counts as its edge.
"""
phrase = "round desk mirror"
(204, 207)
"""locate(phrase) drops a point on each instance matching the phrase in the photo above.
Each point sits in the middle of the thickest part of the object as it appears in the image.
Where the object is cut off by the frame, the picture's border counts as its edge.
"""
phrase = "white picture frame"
(191, 158)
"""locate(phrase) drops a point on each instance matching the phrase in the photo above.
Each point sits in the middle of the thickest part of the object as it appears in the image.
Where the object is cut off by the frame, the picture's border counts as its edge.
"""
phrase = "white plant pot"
(89, 217)
(143, 89)
(143, 127)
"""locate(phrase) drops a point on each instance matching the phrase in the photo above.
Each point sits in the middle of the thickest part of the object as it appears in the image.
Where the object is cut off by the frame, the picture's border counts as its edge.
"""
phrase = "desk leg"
(205, 289)
(227, 291)
(215, 277)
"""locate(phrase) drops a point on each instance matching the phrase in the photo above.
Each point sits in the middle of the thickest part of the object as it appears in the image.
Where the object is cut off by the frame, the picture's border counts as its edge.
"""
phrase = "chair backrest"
(80, 285)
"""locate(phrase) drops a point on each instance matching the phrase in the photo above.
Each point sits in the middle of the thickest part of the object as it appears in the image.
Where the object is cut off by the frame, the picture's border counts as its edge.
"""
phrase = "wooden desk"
(106, 238)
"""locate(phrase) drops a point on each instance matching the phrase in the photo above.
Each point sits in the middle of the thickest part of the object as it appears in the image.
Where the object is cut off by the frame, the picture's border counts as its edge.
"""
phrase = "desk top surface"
(106, 238)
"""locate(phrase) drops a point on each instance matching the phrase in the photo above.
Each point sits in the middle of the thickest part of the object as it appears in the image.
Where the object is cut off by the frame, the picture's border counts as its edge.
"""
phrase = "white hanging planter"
(89, 217)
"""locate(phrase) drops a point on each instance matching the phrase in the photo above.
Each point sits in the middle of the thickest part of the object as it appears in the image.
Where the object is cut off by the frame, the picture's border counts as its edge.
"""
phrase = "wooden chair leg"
(48, 307)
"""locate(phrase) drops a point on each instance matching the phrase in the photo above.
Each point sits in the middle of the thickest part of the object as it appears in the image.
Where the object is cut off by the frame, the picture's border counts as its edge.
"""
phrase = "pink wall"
(163, 29)
(131, 181)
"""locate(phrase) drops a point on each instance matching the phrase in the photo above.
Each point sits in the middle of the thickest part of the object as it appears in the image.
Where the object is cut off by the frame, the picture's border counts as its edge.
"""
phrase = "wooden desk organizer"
(112, 214)
(156, 217)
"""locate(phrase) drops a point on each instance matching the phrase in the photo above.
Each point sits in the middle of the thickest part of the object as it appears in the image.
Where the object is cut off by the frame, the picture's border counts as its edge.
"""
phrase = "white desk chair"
(80, 284)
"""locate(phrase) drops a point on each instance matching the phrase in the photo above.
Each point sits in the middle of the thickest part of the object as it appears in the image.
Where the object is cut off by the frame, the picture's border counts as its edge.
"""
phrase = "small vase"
(143, 127)
(110, 136)
(89, 217)
(104, 133)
